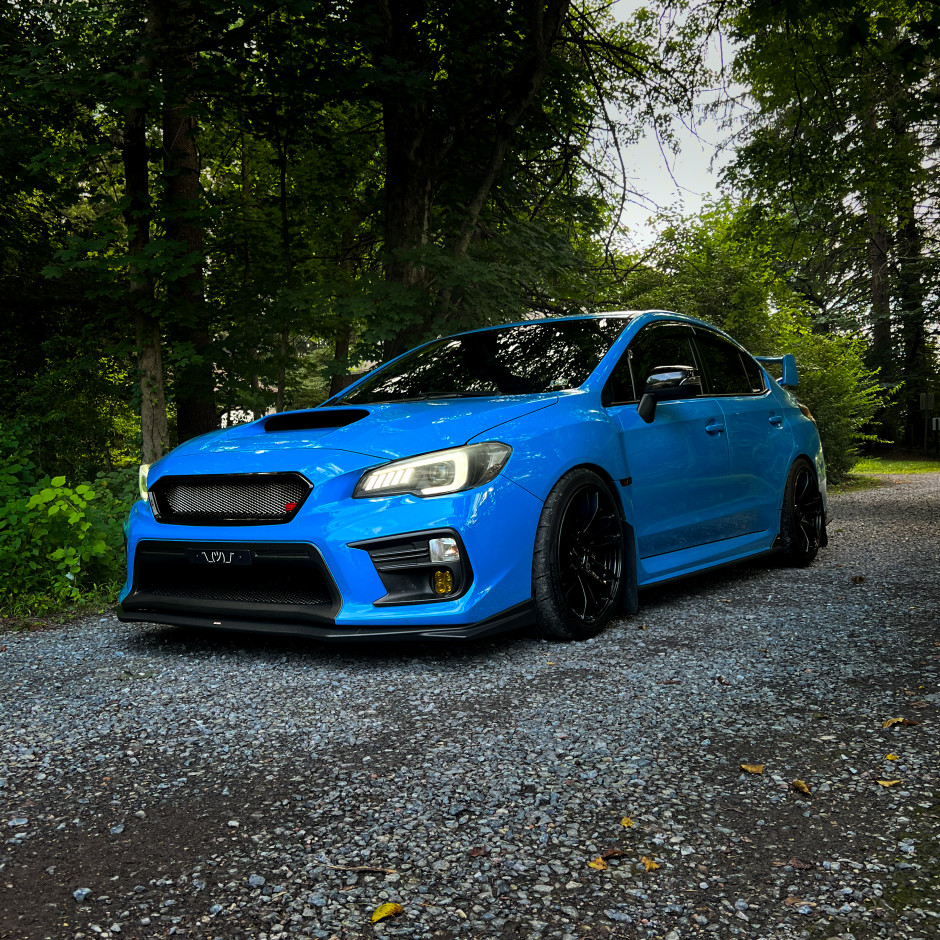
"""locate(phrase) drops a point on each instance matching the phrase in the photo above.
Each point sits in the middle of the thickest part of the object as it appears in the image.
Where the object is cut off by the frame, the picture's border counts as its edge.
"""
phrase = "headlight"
(142, 479)
(444, 471)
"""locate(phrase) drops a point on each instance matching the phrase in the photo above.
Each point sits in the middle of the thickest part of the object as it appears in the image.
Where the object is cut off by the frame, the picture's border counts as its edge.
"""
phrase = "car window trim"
(706, 376)
(685, 327)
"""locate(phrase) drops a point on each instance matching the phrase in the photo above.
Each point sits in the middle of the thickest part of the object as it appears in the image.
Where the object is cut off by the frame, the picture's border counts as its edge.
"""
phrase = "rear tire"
(578, 567)
(802, 521)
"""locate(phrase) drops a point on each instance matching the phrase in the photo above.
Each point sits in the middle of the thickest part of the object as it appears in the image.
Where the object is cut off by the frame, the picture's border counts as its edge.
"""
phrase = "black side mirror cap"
(647, 407)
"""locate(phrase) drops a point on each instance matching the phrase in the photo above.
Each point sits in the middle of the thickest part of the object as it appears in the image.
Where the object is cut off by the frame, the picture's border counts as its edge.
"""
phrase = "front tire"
(578, 568)
(802, 521)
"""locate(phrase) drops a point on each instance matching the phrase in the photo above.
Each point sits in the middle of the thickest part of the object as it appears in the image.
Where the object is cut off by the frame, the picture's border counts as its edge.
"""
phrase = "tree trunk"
(911, 302)
(408, 201)
(195, 380)
(341, 343)
(420, 127)
(544, 24)
(138, 216)
(881, 355)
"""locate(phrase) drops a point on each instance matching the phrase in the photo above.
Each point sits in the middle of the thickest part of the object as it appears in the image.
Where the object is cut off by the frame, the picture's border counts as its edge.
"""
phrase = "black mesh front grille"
(175, 576)
(236, 591)
(237, 499)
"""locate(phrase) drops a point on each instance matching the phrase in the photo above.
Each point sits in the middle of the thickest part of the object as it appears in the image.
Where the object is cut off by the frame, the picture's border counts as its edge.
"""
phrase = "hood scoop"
(314, 420)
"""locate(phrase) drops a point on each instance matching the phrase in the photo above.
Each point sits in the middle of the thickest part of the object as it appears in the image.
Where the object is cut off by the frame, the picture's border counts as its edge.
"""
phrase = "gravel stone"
(474, 783)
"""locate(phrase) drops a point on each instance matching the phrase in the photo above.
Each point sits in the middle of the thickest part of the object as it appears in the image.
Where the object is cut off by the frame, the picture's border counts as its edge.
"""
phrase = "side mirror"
(667, 383)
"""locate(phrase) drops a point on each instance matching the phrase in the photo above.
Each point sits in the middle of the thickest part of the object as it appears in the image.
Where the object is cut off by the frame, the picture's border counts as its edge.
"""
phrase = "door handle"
(776, 421)
(714, 427)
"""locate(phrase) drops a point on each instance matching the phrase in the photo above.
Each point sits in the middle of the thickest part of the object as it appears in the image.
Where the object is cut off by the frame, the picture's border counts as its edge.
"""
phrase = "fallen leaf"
(801, 787)
(753, 768)
(641, 626)
(892, 757)
(798, 863)
(627, 822)
(386, 910)
(598, 863)
(649, 864)
(888, 783)
(612, 853)
(891, 722)
(792, 901)
(548, 662)
(858, 579)
(476, 853)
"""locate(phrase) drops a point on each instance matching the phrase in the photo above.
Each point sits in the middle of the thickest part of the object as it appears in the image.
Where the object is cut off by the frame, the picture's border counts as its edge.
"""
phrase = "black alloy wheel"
(803, 522)
(579, 561)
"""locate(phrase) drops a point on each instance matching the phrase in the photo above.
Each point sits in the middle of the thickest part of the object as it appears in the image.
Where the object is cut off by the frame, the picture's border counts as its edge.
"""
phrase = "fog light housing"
(443, 551)
(419, 567)
(443, 581)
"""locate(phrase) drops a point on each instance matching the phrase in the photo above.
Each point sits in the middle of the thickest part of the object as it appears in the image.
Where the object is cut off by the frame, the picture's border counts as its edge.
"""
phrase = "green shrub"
(59, 545)
(839, 389)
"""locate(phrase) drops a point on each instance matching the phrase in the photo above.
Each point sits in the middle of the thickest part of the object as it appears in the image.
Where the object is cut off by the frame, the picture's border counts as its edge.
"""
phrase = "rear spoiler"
(787, 364)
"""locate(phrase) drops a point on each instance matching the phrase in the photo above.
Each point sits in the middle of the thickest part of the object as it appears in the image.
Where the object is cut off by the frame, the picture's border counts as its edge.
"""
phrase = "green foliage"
(58, 543)
(707, 266)
(720, 268)
(839, 139)
(842, 393)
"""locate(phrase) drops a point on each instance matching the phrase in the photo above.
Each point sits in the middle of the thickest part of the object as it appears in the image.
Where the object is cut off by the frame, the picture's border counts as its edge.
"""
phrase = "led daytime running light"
(142, 479)
(444, 471)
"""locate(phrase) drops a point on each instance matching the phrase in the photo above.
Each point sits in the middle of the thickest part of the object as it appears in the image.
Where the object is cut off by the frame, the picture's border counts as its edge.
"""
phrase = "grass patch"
(896, 465)
(852, 482)
(98, 600)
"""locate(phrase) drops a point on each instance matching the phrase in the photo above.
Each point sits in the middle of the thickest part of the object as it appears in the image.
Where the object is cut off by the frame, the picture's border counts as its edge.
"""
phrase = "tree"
(721, 267)
(846, 112)
(257, 198)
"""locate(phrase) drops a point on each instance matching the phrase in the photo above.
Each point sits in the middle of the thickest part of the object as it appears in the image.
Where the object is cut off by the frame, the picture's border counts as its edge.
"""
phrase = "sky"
(682, 181)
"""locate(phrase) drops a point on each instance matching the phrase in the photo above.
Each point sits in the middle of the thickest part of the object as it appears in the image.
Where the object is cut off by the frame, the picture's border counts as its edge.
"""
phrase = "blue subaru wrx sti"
(534, 473)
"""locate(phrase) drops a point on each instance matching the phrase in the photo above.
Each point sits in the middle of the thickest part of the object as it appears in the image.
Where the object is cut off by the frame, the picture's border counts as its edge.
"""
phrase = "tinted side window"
(659, 344)
(724, 366)
(754, 374)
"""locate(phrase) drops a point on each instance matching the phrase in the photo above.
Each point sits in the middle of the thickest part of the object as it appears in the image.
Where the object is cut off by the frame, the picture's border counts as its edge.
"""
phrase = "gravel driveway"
(158, 782)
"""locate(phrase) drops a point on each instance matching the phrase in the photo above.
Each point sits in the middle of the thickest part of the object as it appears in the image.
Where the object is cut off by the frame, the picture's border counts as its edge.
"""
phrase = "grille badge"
(217, 557)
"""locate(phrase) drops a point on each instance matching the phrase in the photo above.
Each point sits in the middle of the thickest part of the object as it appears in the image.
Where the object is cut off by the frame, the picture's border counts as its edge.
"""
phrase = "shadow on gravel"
(206, 643)
(173, 641)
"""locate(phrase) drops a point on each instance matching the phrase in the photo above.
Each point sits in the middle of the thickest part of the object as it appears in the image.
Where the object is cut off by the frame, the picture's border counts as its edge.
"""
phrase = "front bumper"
(332, 589)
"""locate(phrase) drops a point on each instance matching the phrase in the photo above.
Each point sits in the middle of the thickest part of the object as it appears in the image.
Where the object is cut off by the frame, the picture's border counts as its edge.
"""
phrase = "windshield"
(514, 360)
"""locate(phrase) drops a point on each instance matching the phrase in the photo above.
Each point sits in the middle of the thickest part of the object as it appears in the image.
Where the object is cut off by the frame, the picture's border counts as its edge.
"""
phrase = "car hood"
(386, 431)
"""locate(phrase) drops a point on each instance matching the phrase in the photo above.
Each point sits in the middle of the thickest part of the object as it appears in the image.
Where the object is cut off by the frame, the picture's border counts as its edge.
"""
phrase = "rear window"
(725, 367)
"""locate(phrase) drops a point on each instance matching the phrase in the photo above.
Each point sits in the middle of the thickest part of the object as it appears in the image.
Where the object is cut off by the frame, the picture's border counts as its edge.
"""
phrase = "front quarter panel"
(546, 445)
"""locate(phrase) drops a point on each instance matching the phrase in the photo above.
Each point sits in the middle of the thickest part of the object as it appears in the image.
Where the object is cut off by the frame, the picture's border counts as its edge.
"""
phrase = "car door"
(758, 436)
(679, 464)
